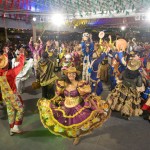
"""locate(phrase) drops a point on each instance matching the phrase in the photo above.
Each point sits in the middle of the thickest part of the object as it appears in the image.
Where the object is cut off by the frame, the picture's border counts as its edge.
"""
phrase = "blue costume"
(146, 93)
(112, 78)
(91, 48)
(87, 60)
(122, 67)
(96, 84)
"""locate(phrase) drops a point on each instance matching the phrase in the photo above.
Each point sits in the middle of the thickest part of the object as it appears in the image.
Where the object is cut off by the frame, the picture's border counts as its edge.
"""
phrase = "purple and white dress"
(71, 114)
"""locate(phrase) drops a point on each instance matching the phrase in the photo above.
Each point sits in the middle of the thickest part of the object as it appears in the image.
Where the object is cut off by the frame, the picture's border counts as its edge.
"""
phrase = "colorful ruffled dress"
(125, 98)
(71, 114)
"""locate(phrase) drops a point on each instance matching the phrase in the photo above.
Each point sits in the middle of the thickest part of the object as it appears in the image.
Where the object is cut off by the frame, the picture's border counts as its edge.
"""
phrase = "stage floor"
(115, 134)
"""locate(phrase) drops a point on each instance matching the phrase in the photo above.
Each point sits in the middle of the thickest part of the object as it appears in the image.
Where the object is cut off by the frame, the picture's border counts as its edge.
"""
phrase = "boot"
(14, 130)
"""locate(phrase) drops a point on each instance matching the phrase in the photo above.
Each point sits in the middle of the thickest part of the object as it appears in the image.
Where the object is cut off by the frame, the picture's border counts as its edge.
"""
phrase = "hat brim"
(133, 68)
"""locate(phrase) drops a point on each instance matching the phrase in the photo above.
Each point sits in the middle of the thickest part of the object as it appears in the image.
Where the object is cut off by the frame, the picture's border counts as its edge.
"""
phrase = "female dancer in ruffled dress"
(125, 98)
(74, 111)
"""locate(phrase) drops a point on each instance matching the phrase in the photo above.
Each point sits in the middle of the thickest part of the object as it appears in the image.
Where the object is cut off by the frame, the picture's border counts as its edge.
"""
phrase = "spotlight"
(58, 20)
(34, 19)
(147, 15)
(123, 28)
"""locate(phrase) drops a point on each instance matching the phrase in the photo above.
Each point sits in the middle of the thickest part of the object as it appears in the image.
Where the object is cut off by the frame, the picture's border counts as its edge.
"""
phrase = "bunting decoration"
(80, 7)
(77, 9)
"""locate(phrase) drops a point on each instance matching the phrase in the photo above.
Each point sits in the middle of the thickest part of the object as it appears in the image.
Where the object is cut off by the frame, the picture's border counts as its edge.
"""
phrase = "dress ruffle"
(72, 122)
(125, 100)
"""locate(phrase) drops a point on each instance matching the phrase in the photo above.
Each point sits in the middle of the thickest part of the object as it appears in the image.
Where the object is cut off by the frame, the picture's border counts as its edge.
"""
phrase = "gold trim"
(50, 111)
(82, 133)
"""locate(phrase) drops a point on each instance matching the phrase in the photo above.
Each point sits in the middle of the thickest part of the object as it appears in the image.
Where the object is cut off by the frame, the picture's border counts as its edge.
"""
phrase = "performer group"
(71, 76)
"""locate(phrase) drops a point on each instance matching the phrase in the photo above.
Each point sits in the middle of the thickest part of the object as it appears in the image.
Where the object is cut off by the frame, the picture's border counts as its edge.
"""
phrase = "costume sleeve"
(27, 67)
(16, 70)
(60, 86)
(121, 58)
(98, 61)
(41, 47)
(31, 47)
(145, 94)
(84, 89)
(83, 45)
(13, 62)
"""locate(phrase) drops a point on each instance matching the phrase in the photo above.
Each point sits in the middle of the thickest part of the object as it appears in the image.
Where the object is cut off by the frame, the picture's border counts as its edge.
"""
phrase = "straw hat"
(134, 64)
(71, 70)
(132, 53)
(3, 61)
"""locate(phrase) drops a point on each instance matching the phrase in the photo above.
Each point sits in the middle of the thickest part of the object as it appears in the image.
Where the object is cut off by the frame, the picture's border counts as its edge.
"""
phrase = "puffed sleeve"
(60, 85)
(84, 89)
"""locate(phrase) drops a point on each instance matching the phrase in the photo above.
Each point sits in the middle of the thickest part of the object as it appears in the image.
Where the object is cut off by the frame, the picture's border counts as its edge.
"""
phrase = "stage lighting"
(123, 28)
(58, 20)
(34, 19)
(147, 15)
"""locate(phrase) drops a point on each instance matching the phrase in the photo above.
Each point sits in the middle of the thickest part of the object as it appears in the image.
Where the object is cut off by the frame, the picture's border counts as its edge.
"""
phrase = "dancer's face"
(6, 49)
(72, 76)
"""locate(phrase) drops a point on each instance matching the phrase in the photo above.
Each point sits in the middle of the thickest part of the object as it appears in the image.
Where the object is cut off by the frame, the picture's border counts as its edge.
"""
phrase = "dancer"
(96, 84)
(12, 100)
(25, 72)
(36, 50)
(87, 49)
(126, 95)
(74, 111)
(46, 76)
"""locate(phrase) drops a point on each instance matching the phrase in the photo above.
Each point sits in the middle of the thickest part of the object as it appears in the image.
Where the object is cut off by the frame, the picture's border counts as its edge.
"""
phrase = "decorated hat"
(3, 61)
(132, 53)
(71, 70)
(134, 64)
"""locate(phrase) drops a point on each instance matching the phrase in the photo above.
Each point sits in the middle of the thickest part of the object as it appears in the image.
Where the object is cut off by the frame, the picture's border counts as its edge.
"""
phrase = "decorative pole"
(6, 34)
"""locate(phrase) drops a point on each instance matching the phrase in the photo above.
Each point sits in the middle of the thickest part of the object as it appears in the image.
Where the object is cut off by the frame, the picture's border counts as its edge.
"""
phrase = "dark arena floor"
(115, 134)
